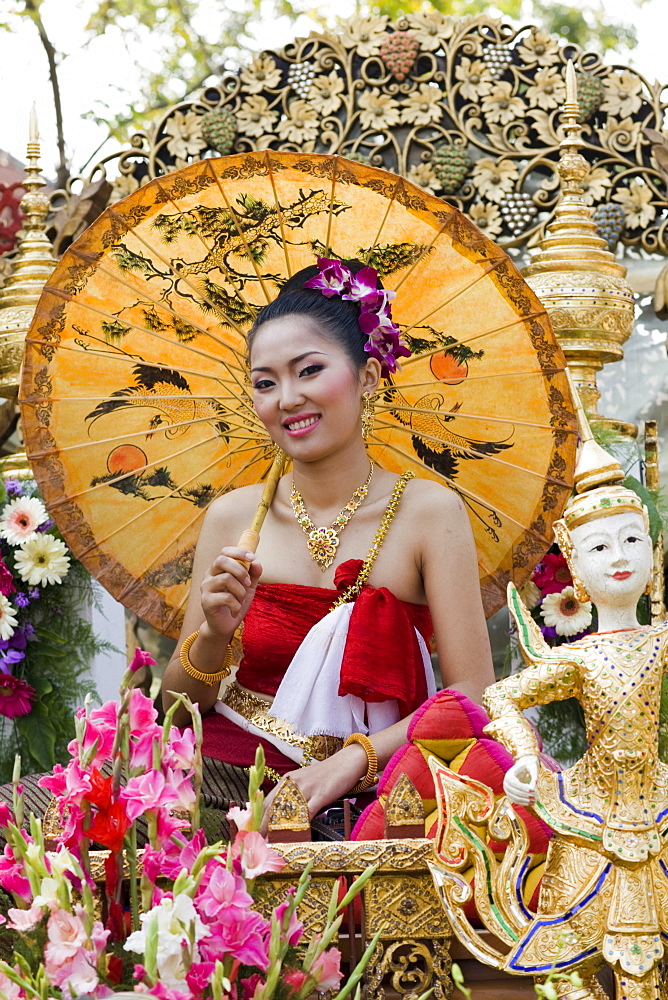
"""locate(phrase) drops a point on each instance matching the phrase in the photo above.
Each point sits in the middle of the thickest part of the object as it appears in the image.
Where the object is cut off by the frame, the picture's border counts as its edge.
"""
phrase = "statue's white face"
(613, 558)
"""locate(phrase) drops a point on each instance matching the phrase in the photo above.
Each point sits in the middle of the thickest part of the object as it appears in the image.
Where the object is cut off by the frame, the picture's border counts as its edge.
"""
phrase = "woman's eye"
(311, 370)
(598, 548)
(632, 538)
(263, 383)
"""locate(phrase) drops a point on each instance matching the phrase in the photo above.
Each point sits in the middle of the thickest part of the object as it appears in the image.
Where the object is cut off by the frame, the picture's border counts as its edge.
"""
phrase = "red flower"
(100, 793)
(115, 969)
(109, 827)
(7, 585)
(553, 574)
(15, 696)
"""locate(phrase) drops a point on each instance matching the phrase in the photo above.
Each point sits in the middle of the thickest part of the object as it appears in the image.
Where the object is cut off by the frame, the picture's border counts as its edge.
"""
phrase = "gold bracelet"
(372, 761)
(199, 675)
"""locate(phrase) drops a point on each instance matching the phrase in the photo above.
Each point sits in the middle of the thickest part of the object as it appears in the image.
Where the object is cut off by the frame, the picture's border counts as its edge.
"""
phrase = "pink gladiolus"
(182, 787)
(70, 785)
(167, 826)
(242, 934)
(295, 979)
(6, 815)
(66, 935)
(25, 920)
(257, 857)
(141, 749)
(144, 792)
(172, 858)
(141, 659)
(295, 928)
(250, 985)
(165, 993)
(223, 890)
(326, 970)
(12, 879)
(78, 975)
(242, 818)
(8, 989)
(181, 748)
(142, 712)
(199, 976)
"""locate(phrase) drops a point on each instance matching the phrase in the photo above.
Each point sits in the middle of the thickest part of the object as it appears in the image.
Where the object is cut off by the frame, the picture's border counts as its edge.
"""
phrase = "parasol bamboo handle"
(251, 536)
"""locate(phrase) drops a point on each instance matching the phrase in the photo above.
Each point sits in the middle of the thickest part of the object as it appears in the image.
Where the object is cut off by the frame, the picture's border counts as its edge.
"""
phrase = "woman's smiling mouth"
(622, 575)
(301, 425)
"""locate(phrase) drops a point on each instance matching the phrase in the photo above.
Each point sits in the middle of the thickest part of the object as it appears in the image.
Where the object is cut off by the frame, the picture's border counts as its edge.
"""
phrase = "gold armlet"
(372, 761)
(199, 675)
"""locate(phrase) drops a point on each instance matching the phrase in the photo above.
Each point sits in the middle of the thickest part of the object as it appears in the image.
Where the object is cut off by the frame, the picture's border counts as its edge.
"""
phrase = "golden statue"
(604, 893)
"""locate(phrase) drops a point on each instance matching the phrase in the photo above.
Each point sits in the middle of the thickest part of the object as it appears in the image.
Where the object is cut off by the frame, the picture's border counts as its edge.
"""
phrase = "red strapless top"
(381, 661)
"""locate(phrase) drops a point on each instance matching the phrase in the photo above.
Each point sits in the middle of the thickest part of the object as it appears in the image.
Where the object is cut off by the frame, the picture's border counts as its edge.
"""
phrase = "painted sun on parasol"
(135, 397)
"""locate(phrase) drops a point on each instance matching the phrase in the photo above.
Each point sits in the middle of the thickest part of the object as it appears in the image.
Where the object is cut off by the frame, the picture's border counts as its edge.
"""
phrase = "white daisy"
(8, 619)
(565, 613)
(21, 518)
(41, 560)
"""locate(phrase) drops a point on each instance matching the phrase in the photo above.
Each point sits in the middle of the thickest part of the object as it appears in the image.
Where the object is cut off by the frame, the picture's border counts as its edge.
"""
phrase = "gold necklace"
(323, 542)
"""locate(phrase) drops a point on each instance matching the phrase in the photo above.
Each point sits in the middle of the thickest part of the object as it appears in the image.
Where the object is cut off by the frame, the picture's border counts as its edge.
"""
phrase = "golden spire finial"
(578, 280)
(32, 266)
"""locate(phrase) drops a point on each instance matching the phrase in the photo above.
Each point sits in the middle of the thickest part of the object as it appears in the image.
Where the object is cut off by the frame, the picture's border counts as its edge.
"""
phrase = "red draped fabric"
(381, 661)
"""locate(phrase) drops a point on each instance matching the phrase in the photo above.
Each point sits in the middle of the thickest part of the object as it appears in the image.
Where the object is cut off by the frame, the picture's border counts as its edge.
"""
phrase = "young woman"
(317, 354)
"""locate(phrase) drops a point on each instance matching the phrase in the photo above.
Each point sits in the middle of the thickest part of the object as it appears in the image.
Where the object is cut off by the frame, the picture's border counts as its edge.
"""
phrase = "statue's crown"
(603, 502)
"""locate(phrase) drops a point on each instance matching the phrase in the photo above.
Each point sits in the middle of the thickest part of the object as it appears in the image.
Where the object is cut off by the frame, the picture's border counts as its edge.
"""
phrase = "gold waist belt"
(254, 708)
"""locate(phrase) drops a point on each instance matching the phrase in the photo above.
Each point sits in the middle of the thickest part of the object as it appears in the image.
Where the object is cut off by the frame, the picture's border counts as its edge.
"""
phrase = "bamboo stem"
(251, 536)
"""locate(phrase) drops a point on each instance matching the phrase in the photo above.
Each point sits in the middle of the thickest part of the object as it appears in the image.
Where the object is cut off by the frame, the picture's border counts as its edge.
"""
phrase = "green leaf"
(40, 734)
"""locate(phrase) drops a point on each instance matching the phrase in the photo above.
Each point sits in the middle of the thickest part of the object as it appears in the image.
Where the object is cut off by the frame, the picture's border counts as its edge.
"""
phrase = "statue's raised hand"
(520, 781)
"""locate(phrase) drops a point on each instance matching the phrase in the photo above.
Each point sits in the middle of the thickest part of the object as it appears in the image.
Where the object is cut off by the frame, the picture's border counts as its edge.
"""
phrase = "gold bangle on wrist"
(199, 675)
(371, 757)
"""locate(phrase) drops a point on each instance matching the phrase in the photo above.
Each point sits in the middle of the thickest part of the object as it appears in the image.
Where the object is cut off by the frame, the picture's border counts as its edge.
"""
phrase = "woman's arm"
(449, 568)
(220, 594)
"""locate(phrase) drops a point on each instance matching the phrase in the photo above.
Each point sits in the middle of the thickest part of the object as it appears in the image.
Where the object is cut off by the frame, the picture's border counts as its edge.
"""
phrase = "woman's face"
(613, 558)
(306, 390)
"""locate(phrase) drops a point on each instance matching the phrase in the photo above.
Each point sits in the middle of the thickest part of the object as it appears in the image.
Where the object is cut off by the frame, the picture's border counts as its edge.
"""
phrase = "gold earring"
(367, 416)
(648, 588)
(579, 589)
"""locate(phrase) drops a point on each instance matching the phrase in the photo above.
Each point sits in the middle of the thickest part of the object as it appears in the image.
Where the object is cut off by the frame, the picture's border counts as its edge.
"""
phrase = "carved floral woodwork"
(469, 109)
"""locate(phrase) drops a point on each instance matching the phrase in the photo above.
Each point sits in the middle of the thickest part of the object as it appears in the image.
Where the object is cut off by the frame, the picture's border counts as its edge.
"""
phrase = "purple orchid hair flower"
(333, 279)
(21, 600)
(14, 488)
(384, 340)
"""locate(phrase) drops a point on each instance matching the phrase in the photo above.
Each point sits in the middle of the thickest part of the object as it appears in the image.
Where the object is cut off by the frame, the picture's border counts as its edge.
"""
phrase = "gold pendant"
(322, 544)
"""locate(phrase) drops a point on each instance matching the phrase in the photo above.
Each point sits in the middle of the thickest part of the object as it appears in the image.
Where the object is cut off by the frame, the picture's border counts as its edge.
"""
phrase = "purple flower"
(27, 630)
(34, 593)
(46, 526)
(11, 656)
(383, 335)
(21, 600)
(14, 488)
(333, 278)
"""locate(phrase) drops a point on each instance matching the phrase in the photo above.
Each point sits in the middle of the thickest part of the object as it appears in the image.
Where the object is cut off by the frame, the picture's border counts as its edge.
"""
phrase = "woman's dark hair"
(338, 318)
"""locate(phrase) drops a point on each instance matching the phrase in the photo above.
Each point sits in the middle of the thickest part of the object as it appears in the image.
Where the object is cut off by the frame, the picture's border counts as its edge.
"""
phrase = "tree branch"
(32, 8)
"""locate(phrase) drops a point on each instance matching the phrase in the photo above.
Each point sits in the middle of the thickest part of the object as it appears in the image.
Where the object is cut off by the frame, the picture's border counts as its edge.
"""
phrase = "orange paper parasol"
(135, 400)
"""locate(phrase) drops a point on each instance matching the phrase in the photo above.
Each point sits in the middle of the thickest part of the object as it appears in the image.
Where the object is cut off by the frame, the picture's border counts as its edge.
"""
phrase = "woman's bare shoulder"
(425, 497)
(234, 507)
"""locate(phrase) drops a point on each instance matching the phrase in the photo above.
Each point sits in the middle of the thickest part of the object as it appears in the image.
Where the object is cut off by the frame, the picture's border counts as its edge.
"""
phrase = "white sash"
(308, 698)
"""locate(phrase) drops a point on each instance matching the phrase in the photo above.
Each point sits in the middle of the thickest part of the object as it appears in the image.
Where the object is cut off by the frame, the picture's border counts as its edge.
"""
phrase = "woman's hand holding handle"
(227, 591)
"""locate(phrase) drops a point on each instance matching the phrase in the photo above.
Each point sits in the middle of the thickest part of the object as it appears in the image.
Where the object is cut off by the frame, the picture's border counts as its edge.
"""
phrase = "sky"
(95, 69)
